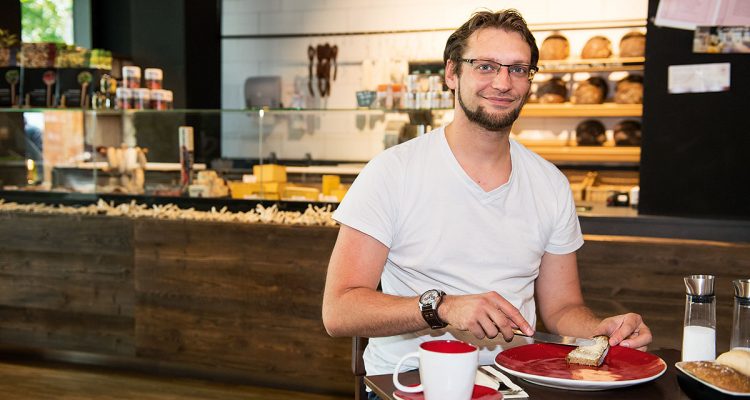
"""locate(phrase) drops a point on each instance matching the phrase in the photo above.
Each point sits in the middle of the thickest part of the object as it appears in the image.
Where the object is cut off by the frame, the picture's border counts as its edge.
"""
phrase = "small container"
(124, 98)
(446, 99)
(131, 77)
(185, 139)
(141, 99)
(699, 332)
(741, 315)
(153, 77)
(161, 99)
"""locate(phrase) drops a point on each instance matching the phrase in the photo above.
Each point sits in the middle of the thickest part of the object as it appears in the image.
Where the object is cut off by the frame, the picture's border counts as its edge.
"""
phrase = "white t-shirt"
(445, 232)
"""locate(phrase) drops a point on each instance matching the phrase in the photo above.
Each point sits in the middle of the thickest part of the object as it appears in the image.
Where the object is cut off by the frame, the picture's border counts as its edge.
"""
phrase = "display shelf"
(591, 65)
(582, 110)
(586, 154)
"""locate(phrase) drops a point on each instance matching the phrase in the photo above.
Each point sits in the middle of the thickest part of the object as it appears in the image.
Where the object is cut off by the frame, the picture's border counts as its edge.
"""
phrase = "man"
(466, 211)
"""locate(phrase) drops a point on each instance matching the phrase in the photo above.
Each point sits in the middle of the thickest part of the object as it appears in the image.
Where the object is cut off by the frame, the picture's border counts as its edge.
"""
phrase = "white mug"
(447, 370)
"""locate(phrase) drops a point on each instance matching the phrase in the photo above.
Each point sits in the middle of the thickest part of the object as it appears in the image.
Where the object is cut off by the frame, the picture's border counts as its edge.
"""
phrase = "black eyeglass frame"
(533, 69)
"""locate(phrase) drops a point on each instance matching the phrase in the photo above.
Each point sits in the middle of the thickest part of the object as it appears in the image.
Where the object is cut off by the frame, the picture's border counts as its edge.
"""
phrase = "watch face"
(429, 297)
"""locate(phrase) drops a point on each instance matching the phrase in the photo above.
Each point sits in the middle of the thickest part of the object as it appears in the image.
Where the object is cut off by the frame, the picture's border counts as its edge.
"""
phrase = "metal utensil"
(502, 387)
(557, 339)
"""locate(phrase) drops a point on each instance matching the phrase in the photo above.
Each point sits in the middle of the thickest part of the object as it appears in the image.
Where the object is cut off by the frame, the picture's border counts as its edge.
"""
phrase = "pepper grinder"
(699, 332)
(741, 320)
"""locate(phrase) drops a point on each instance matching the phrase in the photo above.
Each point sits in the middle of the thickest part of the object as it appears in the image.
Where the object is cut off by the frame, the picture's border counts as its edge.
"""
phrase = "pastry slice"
(592, 355)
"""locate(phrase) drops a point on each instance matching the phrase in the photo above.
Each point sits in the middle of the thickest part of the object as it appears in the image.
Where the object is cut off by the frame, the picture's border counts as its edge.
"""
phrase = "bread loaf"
(552, 91)
(627, 133)
(629, 90)
(633, 44)
(597, 47)
(590, 132)
(718, 375)
(739, 360)
(592, 355)
(554, 47)
(591, 91)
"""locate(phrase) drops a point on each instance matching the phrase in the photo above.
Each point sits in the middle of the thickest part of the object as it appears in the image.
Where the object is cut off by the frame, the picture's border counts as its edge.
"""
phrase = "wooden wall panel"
(66, 283)
(645, 275)
(239, 297)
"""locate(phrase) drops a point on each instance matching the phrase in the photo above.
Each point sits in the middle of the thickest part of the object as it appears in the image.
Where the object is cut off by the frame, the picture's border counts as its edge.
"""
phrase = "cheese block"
(269, 173)
(592, 355)
(301, 192)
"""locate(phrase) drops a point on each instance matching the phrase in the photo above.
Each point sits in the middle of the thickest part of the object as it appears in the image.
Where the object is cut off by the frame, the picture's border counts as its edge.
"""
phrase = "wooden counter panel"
(645, 275)
(239, 297)
(67, 283)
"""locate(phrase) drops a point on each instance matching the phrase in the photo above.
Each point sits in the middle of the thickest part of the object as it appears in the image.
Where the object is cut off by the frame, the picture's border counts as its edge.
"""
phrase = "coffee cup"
(447, 370)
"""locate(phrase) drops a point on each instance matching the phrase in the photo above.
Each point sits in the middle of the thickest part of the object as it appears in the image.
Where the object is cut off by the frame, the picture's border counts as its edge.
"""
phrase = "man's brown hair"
(508, 20)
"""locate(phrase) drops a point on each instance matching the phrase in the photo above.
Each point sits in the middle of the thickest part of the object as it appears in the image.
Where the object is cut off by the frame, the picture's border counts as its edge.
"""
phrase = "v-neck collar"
(472, 186)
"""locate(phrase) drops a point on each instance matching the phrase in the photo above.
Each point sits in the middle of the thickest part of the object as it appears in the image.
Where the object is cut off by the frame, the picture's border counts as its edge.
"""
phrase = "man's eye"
(486, 68)
(518, 69)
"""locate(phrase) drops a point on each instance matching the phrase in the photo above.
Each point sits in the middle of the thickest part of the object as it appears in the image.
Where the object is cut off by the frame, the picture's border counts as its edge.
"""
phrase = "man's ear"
(451, 79)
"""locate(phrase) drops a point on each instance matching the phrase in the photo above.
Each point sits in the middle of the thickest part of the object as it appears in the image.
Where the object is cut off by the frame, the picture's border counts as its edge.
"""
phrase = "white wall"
(337, 137)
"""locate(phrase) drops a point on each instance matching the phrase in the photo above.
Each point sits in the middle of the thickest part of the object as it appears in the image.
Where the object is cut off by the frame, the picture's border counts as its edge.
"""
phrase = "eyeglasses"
(487, 69)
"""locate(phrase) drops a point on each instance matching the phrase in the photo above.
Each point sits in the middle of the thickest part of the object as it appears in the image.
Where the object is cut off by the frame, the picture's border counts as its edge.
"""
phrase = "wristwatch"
(428, 304)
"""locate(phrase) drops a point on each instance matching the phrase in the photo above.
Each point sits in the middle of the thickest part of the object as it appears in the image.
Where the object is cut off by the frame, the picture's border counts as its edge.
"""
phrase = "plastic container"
(699, 332)
(153, 78)
(124, 98)
(131, 77)
(141, 99)
(161, 99)
(741, 315)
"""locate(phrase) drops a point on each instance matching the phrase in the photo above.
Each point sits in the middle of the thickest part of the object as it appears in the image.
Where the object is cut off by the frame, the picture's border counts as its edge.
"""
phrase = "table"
(665, 387)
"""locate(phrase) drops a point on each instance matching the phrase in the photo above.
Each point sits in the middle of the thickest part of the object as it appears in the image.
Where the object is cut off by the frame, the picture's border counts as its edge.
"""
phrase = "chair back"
(358, 366)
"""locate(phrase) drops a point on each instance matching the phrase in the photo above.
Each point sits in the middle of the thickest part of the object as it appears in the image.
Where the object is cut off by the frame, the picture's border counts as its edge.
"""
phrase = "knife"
(557, 339)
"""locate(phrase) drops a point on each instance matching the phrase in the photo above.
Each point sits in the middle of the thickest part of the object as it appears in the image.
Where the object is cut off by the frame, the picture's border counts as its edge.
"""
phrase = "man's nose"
(502, 80)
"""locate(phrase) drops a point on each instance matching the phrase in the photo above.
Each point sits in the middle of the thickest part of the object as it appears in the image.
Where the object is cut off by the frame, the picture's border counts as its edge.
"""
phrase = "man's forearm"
(575, 320)
(369, 313)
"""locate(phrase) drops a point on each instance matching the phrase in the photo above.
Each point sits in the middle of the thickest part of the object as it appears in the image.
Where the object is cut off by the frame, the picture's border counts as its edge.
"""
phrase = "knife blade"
(557, 339)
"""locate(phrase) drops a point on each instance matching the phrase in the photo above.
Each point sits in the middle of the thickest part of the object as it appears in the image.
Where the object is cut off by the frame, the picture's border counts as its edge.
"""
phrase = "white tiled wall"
(338, 137)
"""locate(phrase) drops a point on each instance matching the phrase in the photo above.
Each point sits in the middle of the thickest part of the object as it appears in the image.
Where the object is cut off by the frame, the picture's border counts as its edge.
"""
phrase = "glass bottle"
(741, 318)
(699, 331)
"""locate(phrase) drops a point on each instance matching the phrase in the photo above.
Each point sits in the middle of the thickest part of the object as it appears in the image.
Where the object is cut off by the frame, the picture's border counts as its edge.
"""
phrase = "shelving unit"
(582, 110)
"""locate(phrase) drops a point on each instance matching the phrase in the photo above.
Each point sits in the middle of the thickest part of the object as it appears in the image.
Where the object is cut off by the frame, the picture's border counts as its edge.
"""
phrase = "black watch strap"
(429, 309)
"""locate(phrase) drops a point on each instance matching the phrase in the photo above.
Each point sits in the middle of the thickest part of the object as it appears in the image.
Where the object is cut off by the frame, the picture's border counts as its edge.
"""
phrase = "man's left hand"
(627, 330)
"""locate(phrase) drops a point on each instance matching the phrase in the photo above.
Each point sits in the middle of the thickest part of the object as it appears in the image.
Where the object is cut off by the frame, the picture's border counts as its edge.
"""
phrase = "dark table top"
(665, 387)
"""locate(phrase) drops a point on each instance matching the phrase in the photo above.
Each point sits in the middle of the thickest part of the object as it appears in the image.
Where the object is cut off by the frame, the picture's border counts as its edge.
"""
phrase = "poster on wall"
(690, 14)
(722, 39)
(699, 78)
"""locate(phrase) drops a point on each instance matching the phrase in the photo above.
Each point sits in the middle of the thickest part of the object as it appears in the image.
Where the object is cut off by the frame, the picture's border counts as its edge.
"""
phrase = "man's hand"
(484, 315)
(627, 330)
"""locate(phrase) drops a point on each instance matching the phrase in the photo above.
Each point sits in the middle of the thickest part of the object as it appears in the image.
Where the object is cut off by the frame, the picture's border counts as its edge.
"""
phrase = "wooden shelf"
(586, 154)
(582, 110)
(592, 65)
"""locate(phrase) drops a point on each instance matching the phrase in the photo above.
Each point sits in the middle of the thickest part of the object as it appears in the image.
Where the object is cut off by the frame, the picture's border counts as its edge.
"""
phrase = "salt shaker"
(741, 320)
(699, 332)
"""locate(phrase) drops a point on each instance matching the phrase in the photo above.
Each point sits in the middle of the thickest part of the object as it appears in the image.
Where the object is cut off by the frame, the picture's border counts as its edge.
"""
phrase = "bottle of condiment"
(124, 98)
(131, 77)
(741, 319)
(161, 99)
(153, 77)
(699, 332)
(141, 99)
(186, 155)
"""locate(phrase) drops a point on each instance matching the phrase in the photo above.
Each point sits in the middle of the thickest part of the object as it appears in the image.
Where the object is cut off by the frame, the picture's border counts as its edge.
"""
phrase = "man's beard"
(493, 123)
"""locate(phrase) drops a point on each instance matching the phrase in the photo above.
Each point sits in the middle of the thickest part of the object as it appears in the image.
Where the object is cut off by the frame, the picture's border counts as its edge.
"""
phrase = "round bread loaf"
(552, 91)
(719, 375)
(554, 47)
(739, 360)
(633, 44)
(597, 47)
(591, 91)
(629, 90)
(590, 133)
(627, 133)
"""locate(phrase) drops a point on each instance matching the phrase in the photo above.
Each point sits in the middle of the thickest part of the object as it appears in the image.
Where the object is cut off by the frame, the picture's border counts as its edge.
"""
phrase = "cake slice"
(592, 355)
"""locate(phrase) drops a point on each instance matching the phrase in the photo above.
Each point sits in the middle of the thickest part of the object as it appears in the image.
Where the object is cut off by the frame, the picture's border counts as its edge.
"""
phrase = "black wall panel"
(695, 158)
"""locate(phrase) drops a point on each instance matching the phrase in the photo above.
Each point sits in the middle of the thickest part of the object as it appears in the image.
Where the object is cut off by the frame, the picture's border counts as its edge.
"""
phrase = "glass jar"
(131, 77)
(153, 77)
(124, 98)
(699, 329)
(141, 99)
(161, 99)
(741, 315)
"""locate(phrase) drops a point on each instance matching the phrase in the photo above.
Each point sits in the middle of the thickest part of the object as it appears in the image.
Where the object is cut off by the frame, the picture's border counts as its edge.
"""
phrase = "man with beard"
(466, 230)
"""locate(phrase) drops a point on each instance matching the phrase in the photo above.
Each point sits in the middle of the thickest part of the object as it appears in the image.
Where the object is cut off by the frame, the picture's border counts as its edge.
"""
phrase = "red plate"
(545, 364)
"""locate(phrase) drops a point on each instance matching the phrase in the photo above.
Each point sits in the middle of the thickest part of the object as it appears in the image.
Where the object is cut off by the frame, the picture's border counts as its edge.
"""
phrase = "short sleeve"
(370, 203)
(566, 236)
